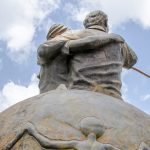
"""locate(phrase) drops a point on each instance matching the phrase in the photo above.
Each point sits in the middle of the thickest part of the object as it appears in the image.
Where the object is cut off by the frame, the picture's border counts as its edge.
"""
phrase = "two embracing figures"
(85, 59)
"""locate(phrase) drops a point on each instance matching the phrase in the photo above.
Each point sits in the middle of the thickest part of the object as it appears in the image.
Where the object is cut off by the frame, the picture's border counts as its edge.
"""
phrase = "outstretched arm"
(90, 43)
(110, 147)
(43, 141)
(47, 143)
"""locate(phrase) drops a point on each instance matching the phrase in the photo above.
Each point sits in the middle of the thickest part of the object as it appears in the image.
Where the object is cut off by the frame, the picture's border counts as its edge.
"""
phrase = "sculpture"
(76, 118)
(92, 58)
(73, 117)
(90, 126)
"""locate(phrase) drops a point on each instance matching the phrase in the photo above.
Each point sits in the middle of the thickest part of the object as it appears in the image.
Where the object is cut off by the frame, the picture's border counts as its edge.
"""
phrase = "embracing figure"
(85, 59)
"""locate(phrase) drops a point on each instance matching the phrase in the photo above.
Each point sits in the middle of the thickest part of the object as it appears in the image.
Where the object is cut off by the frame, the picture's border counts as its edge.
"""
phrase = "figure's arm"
(110, 147)
(90, 43)
(43, 141)
(58, 144)
(48, 143)
(50, 49)
(129, 56)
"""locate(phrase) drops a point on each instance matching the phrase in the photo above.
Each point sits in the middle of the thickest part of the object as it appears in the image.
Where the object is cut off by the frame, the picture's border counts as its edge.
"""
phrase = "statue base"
(67, 119)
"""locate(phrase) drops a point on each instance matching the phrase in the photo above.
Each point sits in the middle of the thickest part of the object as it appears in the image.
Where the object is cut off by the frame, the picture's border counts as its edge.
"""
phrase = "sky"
(25, 23)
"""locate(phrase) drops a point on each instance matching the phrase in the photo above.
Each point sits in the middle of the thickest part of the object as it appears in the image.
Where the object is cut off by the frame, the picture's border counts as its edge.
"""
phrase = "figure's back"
(98, 70)
(54, 74)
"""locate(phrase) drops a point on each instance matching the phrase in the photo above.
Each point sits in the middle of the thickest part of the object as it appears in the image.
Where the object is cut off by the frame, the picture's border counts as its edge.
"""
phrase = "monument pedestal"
(46, 120)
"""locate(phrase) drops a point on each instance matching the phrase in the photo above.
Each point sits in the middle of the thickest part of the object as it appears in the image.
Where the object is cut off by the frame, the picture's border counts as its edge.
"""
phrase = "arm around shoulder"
(50, 49)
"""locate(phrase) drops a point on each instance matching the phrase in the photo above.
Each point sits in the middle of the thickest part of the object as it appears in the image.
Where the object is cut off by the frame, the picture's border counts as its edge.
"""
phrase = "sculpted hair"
(56, 29)
(96, 18)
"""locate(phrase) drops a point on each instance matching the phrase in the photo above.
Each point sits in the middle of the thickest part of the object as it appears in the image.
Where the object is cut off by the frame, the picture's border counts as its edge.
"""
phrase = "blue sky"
(24, 25)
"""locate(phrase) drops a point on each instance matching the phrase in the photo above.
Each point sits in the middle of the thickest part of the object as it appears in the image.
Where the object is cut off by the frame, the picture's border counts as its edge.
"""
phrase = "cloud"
(20, 56)
(13, 93)
(19, 21)
(146, 97)
(124, 88)
(118, 11)
(124, 91)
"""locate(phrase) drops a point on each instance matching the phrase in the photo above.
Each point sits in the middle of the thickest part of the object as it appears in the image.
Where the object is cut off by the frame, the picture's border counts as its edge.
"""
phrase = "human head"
(96, 18)
(56, 29)
(91, 125)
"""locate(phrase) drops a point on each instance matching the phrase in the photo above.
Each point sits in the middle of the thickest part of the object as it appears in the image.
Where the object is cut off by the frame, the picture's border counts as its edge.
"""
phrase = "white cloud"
(124, 88)
(124, 91)
(19, 36)
(19, 21)
(21, 55)
(118, 11)
(146, 97)
(13, 93)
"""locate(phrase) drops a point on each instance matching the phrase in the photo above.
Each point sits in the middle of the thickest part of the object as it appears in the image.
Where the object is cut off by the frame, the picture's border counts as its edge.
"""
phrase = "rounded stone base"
(53, 119)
